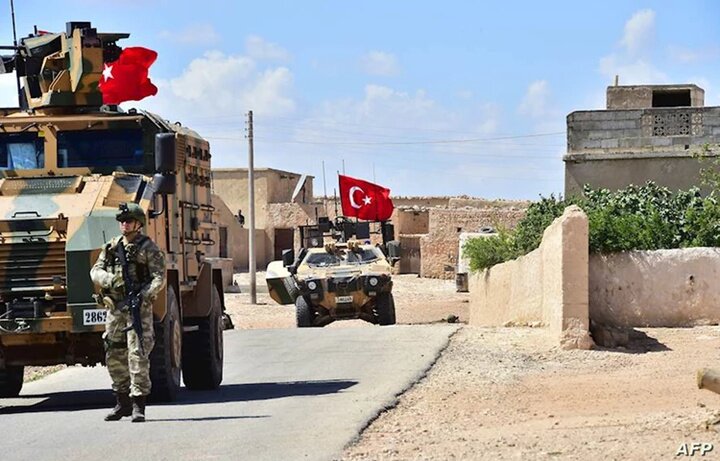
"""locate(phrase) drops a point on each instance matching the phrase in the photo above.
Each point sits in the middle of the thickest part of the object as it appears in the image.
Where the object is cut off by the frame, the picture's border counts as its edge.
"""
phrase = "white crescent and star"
(107, 72)
(366, 200)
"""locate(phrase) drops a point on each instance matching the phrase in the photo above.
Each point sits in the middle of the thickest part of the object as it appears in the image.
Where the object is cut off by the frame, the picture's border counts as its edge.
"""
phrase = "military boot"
(123, 407)
(138, 409)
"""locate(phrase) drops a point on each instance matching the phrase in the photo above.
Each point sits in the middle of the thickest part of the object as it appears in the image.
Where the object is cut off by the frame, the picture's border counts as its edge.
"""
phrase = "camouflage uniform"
(129, 368)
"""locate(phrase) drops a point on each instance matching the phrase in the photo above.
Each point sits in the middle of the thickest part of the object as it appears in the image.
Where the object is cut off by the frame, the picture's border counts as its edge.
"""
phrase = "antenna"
(17, 75)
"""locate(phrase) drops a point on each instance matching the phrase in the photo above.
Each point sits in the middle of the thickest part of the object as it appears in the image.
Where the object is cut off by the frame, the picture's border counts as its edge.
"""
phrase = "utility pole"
(251, 218)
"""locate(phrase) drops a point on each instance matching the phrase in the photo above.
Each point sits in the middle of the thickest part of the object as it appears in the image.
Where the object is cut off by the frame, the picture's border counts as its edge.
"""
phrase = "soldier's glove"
(118, 284)
(106, 281)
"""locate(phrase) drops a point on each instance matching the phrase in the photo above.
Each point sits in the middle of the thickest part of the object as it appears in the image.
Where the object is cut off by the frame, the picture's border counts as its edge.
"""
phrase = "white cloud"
(260, 49)
(632, 62)
(639, 32)
(380, 63)
(535, 102)
(686, 55)
(220, 85)
(197, 34)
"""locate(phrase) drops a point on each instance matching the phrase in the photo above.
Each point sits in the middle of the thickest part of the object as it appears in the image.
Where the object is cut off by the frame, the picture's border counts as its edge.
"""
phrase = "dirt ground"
(507, 393)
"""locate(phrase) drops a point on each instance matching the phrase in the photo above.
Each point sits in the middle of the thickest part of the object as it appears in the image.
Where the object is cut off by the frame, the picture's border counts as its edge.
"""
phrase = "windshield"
(21, 151)
(112, 148)
(342, 256)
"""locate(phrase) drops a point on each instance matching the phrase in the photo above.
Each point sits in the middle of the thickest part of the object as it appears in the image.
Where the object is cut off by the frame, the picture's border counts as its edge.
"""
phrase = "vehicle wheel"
(11, 381)
(165, 358)
(304, 314)
(202, 357)
(385, 309)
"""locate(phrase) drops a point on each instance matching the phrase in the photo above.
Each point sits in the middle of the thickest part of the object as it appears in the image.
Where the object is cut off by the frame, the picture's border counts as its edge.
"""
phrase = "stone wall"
(439, 248)
(548, 286)
(663, 288)
(290, 215)
(410, 221)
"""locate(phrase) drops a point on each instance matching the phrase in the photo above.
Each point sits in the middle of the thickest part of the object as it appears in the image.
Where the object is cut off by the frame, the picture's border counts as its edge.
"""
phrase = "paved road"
(287, 395)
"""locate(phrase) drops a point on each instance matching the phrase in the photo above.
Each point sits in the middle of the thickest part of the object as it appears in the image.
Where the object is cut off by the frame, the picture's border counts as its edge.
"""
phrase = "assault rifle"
(133, 297)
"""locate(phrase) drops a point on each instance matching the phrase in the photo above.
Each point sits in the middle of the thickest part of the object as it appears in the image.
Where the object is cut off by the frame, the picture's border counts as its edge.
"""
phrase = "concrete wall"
(439, 248)
(664, 288)
(548, 286)
(238, 238)
(641, 96)
(616, 148)
(271, 186)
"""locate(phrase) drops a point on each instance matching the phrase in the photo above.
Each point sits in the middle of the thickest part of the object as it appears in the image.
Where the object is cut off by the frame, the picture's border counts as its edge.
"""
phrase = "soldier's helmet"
(130, 211)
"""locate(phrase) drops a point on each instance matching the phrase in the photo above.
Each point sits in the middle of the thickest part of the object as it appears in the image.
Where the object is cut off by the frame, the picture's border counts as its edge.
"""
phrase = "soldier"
(126, 357)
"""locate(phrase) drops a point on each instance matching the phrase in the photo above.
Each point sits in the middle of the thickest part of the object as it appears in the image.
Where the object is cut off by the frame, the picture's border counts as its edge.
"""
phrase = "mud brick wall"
(439, 248)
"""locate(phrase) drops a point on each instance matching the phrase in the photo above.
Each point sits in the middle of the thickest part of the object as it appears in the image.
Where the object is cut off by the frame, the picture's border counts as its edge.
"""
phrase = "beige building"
(283, 201)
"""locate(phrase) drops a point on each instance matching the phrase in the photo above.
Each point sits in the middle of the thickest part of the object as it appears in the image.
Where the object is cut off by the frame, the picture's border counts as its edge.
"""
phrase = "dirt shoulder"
(504, 394)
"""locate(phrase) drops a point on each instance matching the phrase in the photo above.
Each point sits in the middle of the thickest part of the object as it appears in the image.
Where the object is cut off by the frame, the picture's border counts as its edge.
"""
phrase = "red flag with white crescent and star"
(365, 200)
(126, 79)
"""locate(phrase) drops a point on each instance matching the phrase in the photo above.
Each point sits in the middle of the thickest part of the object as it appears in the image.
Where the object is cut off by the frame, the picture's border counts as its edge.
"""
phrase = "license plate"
(94, 316)
(343, 299)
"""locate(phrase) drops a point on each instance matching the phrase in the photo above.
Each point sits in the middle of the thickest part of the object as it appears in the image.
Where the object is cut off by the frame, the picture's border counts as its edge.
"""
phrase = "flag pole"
(325, 197)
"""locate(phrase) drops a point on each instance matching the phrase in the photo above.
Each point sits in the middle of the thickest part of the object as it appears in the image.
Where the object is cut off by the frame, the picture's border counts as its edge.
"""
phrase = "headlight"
(312, 284)
(373, 281)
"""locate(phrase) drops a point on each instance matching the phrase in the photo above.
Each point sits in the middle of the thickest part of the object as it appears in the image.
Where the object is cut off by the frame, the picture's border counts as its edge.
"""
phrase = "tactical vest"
(138, 271)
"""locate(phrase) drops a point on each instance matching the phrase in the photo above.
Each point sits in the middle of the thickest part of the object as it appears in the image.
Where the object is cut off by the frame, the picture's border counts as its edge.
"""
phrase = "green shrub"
(645, 217)
(485, 252)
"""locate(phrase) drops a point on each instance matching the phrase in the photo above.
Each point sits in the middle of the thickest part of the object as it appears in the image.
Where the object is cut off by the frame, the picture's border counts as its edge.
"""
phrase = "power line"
(399, 143)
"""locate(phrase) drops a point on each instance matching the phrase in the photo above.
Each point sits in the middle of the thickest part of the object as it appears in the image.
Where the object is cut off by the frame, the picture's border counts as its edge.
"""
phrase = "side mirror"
(165, 156)
(164, 184)
(288, 258)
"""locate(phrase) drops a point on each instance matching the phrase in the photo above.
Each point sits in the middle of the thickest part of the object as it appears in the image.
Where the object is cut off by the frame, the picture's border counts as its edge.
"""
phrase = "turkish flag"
(365, 200)
(127, 78)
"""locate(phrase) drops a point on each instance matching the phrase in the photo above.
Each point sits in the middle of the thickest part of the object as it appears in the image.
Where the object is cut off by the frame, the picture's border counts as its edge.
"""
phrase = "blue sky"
(426, 98)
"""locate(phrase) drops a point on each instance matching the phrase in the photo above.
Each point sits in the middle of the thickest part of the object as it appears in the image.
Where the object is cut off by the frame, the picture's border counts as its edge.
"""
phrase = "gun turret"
(62, 70)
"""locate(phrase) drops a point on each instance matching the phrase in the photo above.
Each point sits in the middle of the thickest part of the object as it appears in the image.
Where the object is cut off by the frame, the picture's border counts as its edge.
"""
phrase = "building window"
(673, 98)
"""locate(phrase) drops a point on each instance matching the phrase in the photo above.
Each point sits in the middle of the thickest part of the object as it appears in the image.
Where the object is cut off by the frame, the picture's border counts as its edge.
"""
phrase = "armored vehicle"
(336, 279)
(66, 163)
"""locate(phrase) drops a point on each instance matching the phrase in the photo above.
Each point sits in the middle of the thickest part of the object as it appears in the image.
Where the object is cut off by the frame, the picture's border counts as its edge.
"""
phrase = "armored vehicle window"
(323, 259)
(363, 256)
(21, 151)
(112, 148)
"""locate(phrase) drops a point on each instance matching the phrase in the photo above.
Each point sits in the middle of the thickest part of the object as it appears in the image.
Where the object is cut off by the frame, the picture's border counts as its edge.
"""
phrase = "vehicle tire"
(11, 381)
(165, 358)
(304, 314)
(203, 350)
(385, 309)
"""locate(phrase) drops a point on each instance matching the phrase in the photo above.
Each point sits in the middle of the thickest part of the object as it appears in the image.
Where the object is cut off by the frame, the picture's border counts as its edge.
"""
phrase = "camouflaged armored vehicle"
(66, 164)
(335, 280)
